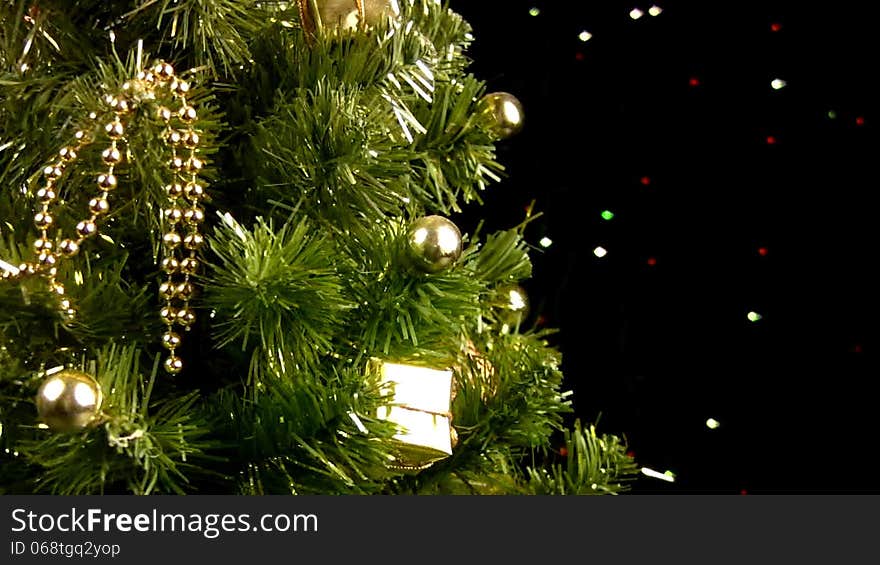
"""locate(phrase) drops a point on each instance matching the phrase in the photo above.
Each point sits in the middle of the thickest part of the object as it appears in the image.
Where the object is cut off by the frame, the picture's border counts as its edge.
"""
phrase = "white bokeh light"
(9, 268)
(447, 239)
(635, 13)
(84, 395)
(517, 300)
(420, 236)
(667, 476)
(53, 389)
(511, 112)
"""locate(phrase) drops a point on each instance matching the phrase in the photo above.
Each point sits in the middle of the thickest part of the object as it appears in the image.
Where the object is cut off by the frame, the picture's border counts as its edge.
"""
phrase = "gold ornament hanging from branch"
(434, 243)
(344, 15)
(69, 401)
(501, 114)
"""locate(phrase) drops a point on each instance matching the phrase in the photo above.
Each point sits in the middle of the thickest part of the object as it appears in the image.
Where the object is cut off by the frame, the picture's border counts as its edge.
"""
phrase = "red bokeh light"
(652, 261)
(646, 180)
(694, 81)
(860, 121)
(775, 27)
(771, 140)
(763, 251)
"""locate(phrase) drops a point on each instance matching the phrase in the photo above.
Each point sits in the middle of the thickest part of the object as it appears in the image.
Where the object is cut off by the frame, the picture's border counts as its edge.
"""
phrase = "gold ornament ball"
(433, 243)
(69, 401)
(344, 15)
(376, 11)
(502, 114)
(338, 14)
(513, 303)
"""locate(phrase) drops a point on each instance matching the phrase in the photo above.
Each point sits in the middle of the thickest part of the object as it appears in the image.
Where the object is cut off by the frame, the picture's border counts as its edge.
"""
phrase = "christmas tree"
(231, 265)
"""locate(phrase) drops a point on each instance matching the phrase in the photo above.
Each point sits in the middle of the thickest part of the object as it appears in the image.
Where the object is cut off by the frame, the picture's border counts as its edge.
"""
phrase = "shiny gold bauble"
(346, 15)
(513, 304)
(501, 113)
(69, 401)
(376, 11)
(338, 14)
(433, 243)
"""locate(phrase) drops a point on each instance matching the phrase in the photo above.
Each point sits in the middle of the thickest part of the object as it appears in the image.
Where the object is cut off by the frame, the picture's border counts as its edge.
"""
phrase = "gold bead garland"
(182, 217)
(47, 256)
(180, 247)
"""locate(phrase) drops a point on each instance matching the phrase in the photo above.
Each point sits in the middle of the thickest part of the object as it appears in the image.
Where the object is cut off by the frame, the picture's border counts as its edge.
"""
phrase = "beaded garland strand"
(185, 193)
(183, 214)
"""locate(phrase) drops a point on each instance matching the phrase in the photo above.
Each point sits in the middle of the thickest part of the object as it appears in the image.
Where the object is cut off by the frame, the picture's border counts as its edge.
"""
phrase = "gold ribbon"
(422, 410)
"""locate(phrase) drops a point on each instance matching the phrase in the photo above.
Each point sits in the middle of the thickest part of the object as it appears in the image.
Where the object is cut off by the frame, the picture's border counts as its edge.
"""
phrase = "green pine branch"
(401, 311)
(308, 433)
(141, 446)
(214, 34)
(276, 293)
(593, 464)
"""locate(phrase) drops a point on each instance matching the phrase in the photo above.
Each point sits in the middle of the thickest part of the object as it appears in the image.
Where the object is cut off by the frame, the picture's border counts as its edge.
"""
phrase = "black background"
(684, 101)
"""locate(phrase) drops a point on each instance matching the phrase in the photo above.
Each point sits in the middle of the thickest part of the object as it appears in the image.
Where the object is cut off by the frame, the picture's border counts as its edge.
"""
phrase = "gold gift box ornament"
(419, 403)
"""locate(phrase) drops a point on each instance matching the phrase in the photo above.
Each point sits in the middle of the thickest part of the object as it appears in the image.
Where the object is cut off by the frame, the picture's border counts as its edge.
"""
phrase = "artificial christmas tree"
(231, 262)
